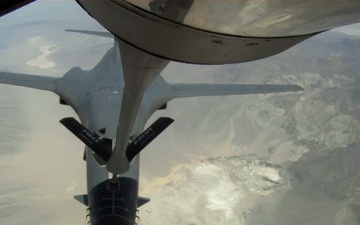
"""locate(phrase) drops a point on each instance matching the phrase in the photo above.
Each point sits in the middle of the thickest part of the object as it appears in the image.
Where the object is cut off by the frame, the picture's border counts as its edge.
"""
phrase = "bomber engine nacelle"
(103, 148)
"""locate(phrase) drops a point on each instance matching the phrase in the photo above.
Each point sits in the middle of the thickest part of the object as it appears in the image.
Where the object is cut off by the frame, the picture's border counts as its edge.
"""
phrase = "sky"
(45, 169)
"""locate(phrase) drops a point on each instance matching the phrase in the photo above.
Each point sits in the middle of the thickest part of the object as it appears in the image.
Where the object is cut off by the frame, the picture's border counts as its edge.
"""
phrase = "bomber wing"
(27, 80)
(194, 90)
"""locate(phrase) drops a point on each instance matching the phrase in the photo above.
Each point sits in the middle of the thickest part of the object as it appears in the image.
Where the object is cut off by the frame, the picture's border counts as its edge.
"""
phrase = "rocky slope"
(265, 157)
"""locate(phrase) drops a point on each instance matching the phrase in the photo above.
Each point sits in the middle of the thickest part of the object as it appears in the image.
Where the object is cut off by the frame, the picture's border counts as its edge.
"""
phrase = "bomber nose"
(113, 220)
(114, 204)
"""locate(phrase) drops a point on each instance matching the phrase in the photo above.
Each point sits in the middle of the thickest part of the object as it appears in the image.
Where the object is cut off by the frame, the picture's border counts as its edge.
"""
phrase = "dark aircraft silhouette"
(148, 35)
(7, 6)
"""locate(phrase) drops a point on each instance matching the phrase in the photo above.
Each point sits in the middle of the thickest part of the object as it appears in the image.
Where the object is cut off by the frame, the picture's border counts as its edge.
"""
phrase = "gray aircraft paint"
(218, 32)
(96, 96)
(103, 99)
